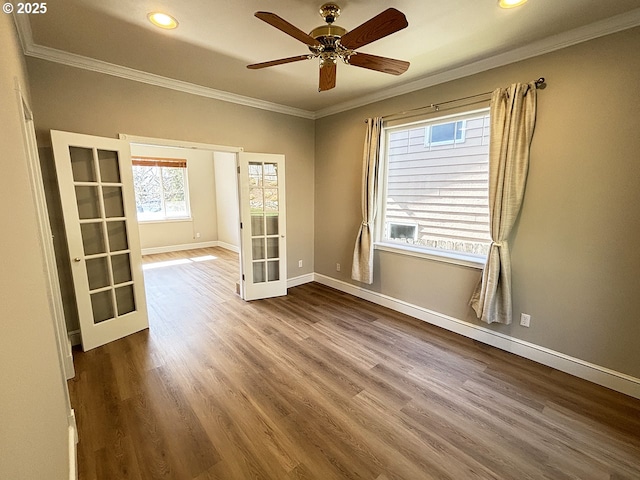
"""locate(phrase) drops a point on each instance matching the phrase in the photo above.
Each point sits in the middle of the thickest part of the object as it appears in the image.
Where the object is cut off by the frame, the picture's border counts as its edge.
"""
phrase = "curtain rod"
(539, 83)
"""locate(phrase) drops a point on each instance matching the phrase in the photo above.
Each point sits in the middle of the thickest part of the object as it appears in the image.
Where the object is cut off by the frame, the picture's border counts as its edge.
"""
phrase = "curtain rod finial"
(541, 83)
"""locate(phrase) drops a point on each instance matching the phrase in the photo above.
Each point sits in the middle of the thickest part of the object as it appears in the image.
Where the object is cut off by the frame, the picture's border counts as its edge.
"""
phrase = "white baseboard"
(177, 248)
(594, 373)
(73, 448)
(75, 338)
(228, 246)
(295, 281)
(69, 369)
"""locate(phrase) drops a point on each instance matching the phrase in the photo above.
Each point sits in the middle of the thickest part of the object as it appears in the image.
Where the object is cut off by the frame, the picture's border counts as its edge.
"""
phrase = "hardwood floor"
(322, 385)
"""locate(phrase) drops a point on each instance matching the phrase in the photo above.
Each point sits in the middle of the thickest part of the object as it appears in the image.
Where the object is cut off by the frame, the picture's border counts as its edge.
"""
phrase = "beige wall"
(576, 262)
(227, 199)
(202, 199)
(70, 99)
(33, 409)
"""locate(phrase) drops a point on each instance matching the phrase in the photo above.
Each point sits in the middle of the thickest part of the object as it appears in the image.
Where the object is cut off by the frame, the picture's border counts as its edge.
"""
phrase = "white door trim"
(46, 236)
(163, 142)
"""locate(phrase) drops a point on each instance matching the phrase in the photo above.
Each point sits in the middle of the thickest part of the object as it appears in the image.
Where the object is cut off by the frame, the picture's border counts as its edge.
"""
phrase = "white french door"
(98, 205)
(263, 225)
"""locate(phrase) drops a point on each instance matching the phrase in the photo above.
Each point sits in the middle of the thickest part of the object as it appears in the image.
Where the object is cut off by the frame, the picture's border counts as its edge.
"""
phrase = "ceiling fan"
(331, 42)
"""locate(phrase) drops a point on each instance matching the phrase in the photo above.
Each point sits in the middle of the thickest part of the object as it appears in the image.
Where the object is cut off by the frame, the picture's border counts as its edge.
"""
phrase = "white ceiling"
(217, 39)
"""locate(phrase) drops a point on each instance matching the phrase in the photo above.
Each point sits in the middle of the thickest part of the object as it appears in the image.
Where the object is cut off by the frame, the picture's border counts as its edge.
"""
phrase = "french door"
(98, 205)
(263, 225)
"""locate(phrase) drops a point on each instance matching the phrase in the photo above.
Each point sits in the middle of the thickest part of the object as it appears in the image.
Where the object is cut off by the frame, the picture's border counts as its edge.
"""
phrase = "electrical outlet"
(198, 235)
(525, 320)
(299, 263)
(337, 267)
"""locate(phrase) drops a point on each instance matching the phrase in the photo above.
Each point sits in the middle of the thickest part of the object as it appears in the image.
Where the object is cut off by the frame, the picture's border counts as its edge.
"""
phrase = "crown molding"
(550, 44)
(556, 42)
(73, 60)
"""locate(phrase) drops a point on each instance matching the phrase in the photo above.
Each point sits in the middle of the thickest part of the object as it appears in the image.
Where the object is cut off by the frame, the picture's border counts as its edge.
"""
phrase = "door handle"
(77, 259)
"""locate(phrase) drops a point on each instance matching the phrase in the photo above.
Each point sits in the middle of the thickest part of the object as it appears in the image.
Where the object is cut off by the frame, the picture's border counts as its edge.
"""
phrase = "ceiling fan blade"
(281, 61)
(284, 26)
(327, 76)
(383, 24)
(381, 64)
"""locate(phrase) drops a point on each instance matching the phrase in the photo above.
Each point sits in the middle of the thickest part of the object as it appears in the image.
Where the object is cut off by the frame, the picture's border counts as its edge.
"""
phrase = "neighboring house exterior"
(436, 192)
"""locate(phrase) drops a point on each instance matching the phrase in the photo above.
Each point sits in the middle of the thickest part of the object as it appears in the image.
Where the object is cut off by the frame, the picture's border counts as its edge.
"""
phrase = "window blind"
(159, 162)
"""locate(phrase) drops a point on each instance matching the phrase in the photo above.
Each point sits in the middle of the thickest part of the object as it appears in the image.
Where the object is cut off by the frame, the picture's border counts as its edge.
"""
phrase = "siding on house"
(441, 189)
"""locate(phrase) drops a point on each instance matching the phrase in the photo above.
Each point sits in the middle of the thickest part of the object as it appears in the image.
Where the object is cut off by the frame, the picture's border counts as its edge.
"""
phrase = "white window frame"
(165, 218)
(446, 256)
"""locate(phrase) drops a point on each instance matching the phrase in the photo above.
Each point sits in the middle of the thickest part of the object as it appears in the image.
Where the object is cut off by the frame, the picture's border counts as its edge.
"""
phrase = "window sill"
(167, 220)
(432, 254)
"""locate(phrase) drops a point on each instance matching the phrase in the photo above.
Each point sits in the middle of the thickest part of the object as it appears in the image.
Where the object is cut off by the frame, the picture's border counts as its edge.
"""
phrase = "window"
(436, 185)
(161, 190)
(402, 232)
(444, 133)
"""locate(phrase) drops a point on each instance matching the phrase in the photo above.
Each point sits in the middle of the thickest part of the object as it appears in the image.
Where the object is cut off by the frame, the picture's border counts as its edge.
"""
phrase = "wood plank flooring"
(321, 385)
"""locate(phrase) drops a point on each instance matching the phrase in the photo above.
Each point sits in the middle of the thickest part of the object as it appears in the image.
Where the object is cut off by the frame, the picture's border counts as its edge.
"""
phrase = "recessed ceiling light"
(511, 3)
(162, 20)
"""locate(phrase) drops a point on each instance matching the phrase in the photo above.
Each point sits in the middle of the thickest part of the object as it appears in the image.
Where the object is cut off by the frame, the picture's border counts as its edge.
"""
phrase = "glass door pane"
(100, 201)
(264, 207)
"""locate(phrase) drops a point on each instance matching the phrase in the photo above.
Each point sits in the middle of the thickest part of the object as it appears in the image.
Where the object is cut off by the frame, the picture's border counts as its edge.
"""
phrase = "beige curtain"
(362, 268)
(513, 117)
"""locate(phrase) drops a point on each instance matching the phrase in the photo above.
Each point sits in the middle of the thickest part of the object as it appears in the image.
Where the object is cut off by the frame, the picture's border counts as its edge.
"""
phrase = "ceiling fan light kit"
(331, 42)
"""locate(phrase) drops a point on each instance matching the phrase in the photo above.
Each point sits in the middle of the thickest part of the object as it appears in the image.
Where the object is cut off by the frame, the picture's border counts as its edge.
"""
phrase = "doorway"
(101, 178)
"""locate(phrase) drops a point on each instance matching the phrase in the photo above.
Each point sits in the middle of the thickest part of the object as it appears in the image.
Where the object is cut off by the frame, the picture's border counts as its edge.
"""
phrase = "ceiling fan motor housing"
(327, 35)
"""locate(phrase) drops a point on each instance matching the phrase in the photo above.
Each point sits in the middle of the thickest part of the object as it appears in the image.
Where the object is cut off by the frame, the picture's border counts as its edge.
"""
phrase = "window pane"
(257, 225)
(121, 266)
(88, 200)
(257, 248)
(98, 273)
(271, 199)
(273, 268)
(93, 238)
(259, 274)
(443, 132)
(117, 234)
(438, 197)
(113, 206)
(125, 300)
(270, 175)
(255, 174)
(82, 164)
(148, 190)
(109, 166)
(175, 201)
(102, 306)
(272, 224)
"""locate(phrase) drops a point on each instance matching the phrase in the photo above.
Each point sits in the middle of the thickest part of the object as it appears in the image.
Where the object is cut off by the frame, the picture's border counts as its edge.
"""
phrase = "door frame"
(163, 142)
(46, 236)
(56, 310)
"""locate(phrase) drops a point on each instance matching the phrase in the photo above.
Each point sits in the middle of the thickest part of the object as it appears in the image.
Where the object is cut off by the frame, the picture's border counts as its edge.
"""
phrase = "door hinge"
(240, 225)
(243, 277)
(238, 169)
